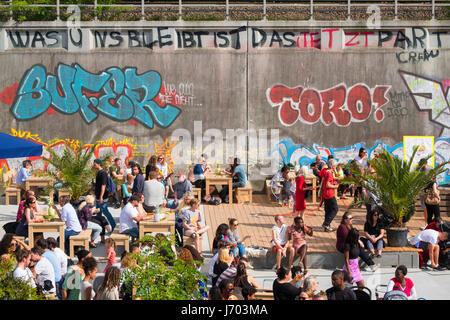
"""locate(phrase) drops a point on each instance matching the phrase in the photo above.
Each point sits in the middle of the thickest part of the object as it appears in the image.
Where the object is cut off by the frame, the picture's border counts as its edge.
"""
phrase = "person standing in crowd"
(374, 234)
(110, 245)
(341, 234)
(238, 247)
(117, 175)
(402, 283)
(90, 272)
(22, 176)
(101, 195)
(423, 165)
(153, 193)
(138, 184)
(44, 273)
(69, 216)
(328, 187)
(432, 199)
(279, 242)
(339, 291)
(351, 254)
(361, 161)
(300, 191)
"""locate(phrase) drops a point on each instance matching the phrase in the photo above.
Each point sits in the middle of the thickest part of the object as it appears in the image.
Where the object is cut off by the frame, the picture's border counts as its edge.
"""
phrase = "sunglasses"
(13, 244)
(349, 218)
(236, 224)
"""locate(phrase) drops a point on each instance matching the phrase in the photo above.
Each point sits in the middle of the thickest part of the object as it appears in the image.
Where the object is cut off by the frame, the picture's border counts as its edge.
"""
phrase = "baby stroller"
(381, 294)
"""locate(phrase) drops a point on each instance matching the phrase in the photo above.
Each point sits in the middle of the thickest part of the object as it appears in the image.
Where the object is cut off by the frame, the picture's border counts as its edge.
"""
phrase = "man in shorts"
(280, 241)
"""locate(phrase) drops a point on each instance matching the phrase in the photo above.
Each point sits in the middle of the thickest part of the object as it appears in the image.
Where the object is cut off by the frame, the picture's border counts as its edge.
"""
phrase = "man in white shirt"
(43, 271)
(70, 217)
(154, 193)
(22, 271)
(279, 241)
(429, 239)
(62, 257)
(129, 217)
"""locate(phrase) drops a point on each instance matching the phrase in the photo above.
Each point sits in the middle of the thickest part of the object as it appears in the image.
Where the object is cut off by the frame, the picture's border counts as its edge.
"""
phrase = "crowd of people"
(140, 194)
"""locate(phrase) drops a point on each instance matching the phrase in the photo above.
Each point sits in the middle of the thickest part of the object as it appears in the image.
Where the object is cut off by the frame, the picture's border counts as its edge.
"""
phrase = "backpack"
(110, 185)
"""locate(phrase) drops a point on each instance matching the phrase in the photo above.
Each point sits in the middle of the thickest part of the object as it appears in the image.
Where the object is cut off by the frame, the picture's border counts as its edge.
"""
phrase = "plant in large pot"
(395, 184)
(72, 169)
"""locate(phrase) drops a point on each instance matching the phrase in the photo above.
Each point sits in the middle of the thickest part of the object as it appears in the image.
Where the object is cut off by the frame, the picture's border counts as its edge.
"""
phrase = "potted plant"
(72, 169)
(396, 184)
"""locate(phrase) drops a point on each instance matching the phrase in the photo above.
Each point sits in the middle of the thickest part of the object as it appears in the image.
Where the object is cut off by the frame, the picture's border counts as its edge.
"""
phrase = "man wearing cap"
(101, 196)
(129, 217)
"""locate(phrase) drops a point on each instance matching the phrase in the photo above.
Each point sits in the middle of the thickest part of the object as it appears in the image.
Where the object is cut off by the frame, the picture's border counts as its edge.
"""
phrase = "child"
(288, 192)
(90, 272)
(300, 191)
(110, 245)
(298, 232)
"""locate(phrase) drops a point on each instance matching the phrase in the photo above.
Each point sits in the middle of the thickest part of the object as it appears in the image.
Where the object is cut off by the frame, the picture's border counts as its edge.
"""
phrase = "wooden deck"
(257, 220)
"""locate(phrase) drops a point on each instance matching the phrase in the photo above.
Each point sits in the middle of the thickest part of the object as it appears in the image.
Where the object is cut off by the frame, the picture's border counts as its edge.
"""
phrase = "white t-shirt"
(44, 271)
(211, 266)
(361, 162)
(26, 275)
(62, 258)
(154, 192)
(280, 233)
(163, 168)
(429, 235)
(126, 217)
(69, 216)
(83, 287)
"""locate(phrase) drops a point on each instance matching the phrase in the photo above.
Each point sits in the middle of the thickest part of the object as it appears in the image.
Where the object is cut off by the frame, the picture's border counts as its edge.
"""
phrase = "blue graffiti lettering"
(118, 94)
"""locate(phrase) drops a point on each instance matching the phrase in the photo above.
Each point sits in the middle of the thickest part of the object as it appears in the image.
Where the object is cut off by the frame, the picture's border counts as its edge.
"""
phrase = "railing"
(429, 4)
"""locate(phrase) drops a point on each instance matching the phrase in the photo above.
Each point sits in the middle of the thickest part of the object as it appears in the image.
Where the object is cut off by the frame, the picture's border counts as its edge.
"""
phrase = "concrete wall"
(267, 92)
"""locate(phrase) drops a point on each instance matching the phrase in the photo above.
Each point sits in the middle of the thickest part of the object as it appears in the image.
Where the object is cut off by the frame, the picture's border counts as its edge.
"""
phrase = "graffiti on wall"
(120, 94)
(339, 105)
(431, 96)
(289, 152)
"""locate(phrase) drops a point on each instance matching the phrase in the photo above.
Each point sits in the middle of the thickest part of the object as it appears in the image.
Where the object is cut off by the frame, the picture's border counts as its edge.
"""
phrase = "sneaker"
(328, 229)
(373, 267)
(429, 263)
(249, 266)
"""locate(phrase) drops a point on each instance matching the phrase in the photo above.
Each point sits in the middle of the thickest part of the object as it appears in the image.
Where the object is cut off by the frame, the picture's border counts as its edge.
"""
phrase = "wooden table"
(312, 179)
(214, 179)
(39, 182)
(46, 226)
(166, 225)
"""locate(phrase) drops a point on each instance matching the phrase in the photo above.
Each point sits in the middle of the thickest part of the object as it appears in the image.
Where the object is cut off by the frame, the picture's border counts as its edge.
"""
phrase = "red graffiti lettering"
(350, 43)
(330, 40)
(359, 102)
(9, 94)
(338, 104)
(333, 101)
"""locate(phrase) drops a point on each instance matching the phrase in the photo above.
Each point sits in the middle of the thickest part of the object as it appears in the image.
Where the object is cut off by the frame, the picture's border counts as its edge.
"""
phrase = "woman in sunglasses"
(373, 233)
(29, 216)
(11, 244)
(341, 234)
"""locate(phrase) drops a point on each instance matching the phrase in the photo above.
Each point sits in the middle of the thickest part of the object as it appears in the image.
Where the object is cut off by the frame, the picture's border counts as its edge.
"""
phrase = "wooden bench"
(269, 191)
(264, 294)
(120, 239)
(244, 194)
(81, 239)
(12, 192)
(197, 193)
(190, 241)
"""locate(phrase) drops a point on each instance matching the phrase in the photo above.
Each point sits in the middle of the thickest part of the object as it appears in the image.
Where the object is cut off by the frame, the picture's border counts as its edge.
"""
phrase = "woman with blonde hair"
(310, 286)
(127, 187)
(224, 260)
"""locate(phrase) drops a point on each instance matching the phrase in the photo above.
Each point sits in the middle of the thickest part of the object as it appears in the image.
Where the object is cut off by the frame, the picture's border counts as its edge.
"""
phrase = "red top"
(326, 192)
(432, 226)
(408, 287)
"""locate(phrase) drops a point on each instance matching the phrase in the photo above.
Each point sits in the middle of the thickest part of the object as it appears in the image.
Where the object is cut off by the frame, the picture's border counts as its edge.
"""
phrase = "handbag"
(430, 199)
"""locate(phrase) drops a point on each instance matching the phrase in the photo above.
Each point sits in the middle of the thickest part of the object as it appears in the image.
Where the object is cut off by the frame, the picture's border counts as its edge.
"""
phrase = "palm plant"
(395, 183)
(72, 168)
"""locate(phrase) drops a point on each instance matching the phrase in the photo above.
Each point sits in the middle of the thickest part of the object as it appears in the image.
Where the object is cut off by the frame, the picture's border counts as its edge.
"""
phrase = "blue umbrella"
(14, 147)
